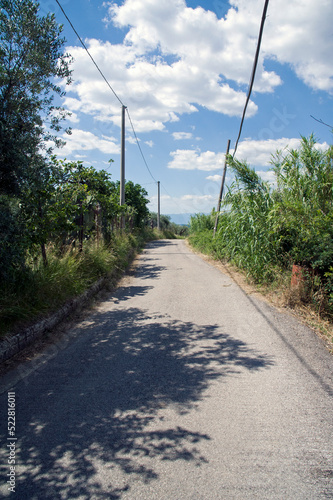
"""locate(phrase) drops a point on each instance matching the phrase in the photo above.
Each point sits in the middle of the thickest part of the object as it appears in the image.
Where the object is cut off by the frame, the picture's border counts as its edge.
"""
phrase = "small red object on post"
(296, 276)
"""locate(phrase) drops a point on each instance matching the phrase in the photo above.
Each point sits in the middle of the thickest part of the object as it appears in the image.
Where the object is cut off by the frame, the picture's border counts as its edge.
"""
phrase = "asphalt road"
(179, 386)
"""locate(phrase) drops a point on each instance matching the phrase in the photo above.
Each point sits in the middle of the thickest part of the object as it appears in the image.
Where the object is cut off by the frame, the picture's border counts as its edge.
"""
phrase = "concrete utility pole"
(158, 205)
(222, 186)
(122, 163)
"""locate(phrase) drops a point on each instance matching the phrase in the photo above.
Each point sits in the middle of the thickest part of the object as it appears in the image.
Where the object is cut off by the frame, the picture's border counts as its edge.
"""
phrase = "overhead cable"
(253, 72)
(108, 84)
(137, 141)
(91, 57)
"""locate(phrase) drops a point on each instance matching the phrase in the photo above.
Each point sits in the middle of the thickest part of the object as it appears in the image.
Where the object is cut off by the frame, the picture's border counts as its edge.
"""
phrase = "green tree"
(90, 198)
(135, 197)
(32, 63)
(31, 58)
(165, 220)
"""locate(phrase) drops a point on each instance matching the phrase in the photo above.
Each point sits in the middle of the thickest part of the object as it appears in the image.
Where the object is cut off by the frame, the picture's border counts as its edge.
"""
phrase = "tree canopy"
(31, 63)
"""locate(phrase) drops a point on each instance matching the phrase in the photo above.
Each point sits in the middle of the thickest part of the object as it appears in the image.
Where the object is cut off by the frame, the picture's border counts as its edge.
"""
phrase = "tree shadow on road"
(108, 426)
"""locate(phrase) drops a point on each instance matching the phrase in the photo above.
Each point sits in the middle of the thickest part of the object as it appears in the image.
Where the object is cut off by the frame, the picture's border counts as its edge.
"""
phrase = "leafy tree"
(135, 197)
(86, 196)
(31, 57)
(31, 64)
(13, 241)
(165, 220)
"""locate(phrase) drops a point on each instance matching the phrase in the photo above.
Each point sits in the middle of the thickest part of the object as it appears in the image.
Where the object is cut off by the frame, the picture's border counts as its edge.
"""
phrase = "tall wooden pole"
(158, 205)
(222, 186)
(122, 163)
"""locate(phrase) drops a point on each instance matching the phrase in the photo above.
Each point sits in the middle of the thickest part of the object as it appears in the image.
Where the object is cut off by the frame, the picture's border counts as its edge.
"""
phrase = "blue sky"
(182, 68)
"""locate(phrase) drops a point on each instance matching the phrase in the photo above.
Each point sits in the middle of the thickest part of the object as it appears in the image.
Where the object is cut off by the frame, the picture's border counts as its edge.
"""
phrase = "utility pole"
(158, 205)
(122, 163)
(222, 186)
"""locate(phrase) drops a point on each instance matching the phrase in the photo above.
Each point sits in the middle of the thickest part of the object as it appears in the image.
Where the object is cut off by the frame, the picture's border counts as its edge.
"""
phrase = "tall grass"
(264, 229)
(43, 289)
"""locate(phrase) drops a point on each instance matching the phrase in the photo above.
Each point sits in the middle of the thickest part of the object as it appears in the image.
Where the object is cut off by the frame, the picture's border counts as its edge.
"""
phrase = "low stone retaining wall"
(12, 345)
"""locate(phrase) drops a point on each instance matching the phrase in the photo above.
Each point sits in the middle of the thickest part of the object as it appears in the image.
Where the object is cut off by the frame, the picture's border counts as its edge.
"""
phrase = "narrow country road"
(179, 386)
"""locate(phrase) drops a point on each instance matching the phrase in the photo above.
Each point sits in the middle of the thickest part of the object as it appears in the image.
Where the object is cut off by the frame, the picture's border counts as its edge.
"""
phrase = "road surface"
(178, 386)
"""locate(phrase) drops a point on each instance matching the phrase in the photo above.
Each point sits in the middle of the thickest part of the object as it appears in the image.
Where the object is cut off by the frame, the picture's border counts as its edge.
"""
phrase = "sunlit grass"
(43, 289)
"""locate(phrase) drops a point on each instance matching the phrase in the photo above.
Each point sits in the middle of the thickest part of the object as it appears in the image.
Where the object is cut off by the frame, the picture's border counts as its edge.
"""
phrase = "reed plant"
(265, 228)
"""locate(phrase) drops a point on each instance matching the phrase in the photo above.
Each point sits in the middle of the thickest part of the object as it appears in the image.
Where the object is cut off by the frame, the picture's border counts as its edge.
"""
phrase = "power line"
(137, 141)
(108, 84)
(321, 121)
(253, 72)
(91, 57)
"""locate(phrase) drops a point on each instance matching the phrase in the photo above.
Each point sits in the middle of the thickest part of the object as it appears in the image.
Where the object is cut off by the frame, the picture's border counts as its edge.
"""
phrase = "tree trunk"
(43, 249)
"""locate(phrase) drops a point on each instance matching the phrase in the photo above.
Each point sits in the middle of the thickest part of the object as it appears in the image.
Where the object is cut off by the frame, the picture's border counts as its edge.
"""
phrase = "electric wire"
(263, 18)
(118, 98)
(321, 121)
(104, 78)
(91, 57)
(137, 141)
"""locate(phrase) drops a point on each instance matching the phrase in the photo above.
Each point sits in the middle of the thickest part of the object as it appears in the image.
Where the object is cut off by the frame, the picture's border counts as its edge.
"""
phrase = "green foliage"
(31, 57)
(169, 229)
(165, 220)
(66, 203)
(31, 63)
(200, 222)
(41, 289)
(203, 241)
(303, 205)
(243, 236)
(136, 199)
(12, 240)
(264, 229)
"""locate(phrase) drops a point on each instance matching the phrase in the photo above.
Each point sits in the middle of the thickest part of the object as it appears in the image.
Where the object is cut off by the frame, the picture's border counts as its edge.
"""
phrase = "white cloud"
(131, 139)
(175, 59)
(73, 118)
(156, 92)
(81, 140)
(214, 178)
(197, 37)
(149, 143)
(178, 136)
(189, 203)
(189, 159)
(299, 33)
(257, 153)
(260, 152)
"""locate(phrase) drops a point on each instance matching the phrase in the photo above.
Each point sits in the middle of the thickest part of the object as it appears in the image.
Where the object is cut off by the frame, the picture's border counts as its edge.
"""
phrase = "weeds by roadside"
(41, 289)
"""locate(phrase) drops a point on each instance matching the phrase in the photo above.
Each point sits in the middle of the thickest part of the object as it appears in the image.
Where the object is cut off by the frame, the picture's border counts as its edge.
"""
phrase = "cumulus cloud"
(175, 59)
(178, 136)
(81, 140)
(188, 203)
(267, 175)
(260, 152)
(300, 34)
(214, 178)
(189, 159)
